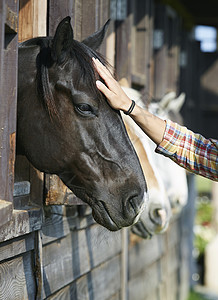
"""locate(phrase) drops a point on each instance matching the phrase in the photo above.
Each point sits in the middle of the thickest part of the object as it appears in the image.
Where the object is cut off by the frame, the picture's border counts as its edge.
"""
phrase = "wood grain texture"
(22, 222)
(16, 246)
(8, 68)
(160, 55)
(6, 209)
(17, 278)
(123, 49)
(58, 194)
(102, 283)
(144, 283)
(68, 258)
(144, 253)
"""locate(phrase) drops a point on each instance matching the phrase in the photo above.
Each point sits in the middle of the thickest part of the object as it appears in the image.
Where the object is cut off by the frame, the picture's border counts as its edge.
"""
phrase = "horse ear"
(165, 101)
(62, 40)
(177, 104)
(94, 41)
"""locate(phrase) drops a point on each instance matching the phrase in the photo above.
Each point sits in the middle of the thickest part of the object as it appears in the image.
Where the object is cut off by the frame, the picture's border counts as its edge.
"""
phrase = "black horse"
(66, 127)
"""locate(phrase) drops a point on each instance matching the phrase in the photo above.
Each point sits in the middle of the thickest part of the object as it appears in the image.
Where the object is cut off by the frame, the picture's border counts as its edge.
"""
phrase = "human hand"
(112, 90)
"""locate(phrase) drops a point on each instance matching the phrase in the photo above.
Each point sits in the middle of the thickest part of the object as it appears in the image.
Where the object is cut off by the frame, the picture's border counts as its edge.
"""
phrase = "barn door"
(8, 97)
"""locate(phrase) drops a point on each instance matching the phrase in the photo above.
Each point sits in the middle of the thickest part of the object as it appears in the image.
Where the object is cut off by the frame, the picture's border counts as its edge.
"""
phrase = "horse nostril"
(136, 204)
(158, 216)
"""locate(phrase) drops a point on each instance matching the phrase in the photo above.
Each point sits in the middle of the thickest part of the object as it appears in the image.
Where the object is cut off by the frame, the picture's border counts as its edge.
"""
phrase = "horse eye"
(84, 109)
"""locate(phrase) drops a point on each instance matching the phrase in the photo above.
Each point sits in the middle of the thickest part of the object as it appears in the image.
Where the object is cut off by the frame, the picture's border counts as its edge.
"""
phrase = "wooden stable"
(50, 246)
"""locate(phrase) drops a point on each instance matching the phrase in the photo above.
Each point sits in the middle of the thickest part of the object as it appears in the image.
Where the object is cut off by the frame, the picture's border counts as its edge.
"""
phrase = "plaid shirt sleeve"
(190, 150)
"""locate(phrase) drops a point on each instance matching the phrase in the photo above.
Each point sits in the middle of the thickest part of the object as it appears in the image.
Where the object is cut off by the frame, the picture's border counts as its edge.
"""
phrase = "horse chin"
(105, 220)
(140, 230)
(102, 216)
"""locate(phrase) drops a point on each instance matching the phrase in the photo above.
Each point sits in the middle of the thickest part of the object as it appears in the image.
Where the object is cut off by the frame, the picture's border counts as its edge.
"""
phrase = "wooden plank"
(2, 31)
(56, 225)
(77, 19)
(172, 286)
(103, 8)
(17, 278)
(144, 284)
(89, 24)
(173, 53)
(173, 233)
(76, 254)
(38, 265)
(162, 290)
(169, 263)
(101, 283)
(32, 19)
(160, 55)
(141, 45)
(8, 98)
(21, 188)
(58, 193)
(37, 186)
(22, 222)
(25, 172)
(124, 264)
(40, 18)
(17, 246)
(3, 162)
(25, 20)
(110, 44)
(6, 209)
(123, 49)
(11, 22)
(144, 253)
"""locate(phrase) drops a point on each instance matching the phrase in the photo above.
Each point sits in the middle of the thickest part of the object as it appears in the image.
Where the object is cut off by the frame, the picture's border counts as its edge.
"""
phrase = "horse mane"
(77, 51)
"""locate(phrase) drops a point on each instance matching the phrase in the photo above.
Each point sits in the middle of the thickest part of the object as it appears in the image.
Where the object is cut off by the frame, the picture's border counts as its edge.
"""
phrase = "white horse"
(174, 177)
(158, 205)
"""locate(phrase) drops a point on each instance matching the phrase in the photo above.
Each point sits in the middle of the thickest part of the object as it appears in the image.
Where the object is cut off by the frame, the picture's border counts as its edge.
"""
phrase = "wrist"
(125, 105)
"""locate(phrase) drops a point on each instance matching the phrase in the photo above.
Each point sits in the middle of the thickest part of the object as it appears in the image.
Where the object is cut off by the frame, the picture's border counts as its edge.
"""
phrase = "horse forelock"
(82, 56)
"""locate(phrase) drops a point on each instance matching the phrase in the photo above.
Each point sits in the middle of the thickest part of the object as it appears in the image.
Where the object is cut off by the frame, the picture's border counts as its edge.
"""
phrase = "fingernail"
(98, 83)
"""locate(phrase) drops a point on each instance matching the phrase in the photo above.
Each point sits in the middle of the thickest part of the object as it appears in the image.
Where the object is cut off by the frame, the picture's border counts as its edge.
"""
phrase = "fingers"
(111, 89)
(104, 74)
(103, 89)
(102, 70)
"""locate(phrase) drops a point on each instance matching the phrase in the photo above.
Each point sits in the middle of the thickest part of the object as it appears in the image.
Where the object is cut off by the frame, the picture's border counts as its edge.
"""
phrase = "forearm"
(153, 126)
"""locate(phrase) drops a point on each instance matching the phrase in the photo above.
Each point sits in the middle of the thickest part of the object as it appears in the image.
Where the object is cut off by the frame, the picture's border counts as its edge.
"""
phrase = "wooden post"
(38, 265)
(8, 97)
(124, 264)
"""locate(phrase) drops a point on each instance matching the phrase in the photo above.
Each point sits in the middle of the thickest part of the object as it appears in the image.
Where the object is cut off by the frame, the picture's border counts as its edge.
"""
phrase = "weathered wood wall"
(59, 252)
(8, 95)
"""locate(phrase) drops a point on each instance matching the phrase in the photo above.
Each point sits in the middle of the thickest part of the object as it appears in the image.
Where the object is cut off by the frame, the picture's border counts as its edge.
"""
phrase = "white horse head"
(158, 207)
(174, 176)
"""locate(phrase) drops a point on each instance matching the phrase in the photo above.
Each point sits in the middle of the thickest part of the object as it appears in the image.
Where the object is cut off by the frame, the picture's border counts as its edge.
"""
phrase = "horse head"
(66, 127)
(176, 181)
(156, 216)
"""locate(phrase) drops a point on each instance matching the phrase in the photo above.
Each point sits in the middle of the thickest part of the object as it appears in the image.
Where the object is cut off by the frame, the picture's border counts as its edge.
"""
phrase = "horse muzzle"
(113, 218)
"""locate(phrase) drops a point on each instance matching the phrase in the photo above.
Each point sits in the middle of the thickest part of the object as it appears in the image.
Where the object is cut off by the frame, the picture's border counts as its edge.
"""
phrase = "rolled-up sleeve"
(190, 150)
